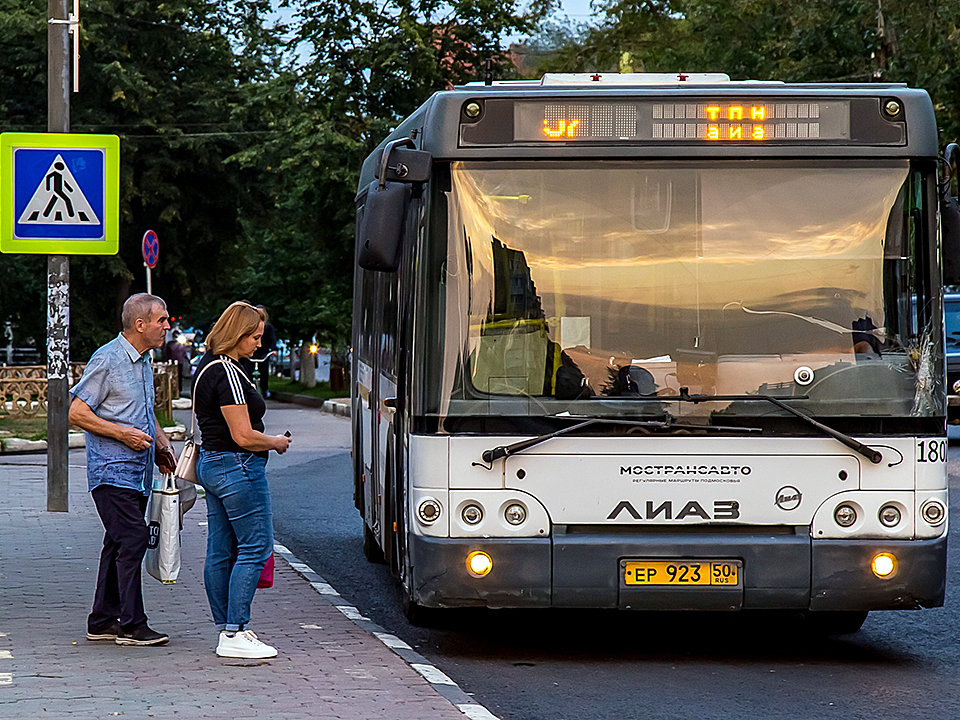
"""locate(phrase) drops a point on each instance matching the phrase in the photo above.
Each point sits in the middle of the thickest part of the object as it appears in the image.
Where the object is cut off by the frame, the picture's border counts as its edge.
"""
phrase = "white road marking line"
(360, 673)
(6, 655)
(6, 678)
(300, 567)
(323, 588)
(311, 627)
(477, 712)
(277, 547)
(432, 674)
(392, 641)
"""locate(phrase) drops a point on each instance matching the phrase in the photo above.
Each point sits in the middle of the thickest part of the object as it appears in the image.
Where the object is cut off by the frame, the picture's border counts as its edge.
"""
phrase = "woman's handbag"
(266, 575)
(162, 559)
(187, 464)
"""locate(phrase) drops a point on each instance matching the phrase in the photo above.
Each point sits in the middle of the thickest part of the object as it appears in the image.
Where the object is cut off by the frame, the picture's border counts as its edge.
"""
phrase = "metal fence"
(23, 388)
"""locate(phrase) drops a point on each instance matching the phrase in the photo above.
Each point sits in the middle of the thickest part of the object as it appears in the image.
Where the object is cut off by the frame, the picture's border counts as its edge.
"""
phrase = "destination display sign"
(744, 120)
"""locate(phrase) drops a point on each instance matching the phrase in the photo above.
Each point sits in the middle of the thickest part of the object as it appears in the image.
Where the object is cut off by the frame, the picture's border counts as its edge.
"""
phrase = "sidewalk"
(328, 666)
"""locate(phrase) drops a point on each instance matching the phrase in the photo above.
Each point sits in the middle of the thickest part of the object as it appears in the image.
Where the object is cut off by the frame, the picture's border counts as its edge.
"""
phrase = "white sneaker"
(244, 644)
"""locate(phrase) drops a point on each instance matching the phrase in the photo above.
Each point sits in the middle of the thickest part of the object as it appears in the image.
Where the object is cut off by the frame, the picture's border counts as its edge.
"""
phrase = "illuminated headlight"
(515, 514)
(479, 563)
(845, 516)
(933, 512)
(883, 565)
(472, 514)
(428, 511)
(889, 516)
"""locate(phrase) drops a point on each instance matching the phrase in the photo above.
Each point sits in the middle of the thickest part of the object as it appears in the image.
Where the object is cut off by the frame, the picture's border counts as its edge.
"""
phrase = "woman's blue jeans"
(239, 532)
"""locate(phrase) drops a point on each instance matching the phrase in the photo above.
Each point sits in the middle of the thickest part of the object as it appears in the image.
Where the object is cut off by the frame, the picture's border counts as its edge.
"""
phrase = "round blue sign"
(151, 248)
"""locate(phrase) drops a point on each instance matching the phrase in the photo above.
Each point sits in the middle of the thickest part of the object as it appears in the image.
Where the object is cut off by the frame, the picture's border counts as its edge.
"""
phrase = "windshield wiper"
(503, 451)
(868, 452)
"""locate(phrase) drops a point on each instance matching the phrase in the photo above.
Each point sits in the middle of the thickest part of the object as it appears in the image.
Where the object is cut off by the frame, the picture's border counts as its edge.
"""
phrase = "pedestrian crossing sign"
(59, 194)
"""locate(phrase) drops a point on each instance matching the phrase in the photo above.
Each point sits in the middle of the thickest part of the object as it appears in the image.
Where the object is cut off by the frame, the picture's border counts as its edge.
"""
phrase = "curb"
(338, 406)
(304, 400)
(19, 445)
(437, 679)
(75, 441)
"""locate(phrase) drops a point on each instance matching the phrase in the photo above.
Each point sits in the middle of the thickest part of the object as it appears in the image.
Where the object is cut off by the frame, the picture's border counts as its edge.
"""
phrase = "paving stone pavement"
(328, 666)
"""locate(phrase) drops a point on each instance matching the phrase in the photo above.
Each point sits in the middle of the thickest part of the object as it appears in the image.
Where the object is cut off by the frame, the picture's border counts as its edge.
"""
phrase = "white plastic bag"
(163, 520)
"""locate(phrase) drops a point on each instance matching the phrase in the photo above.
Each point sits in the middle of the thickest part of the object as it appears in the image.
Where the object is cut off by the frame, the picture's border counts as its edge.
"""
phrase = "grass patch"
(33, 428)
(321, 390)
(164, 419)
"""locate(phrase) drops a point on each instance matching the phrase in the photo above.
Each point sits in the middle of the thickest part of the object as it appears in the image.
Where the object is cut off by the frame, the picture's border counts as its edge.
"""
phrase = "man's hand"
(166, 460)
(135, 439)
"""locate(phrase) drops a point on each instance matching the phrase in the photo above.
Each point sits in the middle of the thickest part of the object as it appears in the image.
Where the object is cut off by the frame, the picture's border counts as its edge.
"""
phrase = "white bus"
(656, 342)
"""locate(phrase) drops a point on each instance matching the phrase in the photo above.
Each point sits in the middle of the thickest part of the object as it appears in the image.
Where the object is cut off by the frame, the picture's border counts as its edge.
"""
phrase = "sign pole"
(58, 274)
(149, 280)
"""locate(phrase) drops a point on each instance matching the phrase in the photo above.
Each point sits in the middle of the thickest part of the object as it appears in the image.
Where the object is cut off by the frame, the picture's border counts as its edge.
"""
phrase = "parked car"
(951, 321)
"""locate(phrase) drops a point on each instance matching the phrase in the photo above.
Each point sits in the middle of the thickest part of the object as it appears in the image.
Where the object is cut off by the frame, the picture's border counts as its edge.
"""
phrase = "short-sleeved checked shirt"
(117, 384)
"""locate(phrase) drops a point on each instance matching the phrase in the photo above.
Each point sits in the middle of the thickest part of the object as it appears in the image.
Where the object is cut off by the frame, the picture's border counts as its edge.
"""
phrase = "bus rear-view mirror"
(380, 235)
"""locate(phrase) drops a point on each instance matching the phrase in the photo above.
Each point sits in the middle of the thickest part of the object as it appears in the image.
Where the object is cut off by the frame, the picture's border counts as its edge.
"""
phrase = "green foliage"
(914, 42)
(169, 79)
(367, 66)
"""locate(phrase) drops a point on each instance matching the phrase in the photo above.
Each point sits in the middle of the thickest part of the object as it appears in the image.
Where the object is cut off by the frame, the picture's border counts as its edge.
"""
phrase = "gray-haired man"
(113, 403)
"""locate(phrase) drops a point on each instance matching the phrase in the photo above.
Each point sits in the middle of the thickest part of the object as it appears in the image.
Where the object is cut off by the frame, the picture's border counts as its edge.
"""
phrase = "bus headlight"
(428, 511)
(472, 514)
(933, 512)
(515, 514)
(890, 516)
(479, 563)
(883, 565)
(845, 515)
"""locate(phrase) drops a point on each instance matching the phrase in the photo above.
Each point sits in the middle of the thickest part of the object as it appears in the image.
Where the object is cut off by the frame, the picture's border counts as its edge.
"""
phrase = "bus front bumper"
(582, 570)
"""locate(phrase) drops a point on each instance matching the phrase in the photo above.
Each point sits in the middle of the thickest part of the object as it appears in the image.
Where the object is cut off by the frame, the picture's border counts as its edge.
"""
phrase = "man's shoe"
(142, 635)
(244, 644)
(107, 632)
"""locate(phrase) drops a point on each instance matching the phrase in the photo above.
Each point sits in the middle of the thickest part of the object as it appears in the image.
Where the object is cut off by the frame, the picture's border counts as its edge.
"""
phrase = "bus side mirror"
(380, 235)
(405, 165)
(950, 220)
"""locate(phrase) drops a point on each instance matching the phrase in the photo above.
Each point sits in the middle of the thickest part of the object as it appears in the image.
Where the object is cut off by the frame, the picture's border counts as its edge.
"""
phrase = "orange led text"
(564, 128)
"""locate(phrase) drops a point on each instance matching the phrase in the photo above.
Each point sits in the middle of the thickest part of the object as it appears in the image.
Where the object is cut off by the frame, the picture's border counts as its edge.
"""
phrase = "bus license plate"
(682, 572)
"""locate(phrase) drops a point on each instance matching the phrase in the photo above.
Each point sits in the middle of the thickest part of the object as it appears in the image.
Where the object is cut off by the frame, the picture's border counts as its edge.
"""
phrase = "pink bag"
(266, 575)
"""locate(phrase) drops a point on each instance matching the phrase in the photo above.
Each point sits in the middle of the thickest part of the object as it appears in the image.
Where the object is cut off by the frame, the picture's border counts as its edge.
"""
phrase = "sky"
(578, 10)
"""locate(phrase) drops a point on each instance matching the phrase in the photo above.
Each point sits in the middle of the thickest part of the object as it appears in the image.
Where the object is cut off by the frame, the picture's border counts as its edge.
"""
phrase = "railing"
(23, 388)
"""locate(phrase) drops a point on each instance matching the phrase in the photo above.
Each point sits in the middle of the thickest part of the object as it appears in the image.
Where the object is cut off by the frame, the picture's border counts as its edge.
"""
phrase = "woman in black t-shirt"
(231, 467)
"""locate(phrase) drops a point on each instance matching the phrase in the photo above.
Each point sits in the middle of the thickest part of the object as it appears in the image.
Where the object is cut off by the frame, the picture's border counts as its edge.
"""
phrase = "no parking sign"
(151, 248)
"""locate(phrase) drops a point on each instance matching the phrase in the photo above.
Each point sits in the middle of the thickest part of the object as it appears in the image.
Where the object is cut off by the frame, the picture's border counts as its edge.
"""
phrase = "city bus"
(656, 342)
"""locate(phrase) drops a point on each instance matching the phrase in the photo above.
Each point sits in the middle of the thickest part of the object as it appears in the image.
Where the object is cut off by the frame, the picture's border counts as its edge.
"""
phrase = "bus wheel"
(836, 622)
(371, 548)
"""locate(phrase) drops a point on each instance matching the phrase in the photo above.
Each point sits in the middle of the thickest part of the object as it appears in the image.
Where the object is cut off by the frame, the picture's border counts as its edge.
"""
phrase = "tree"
(172, 79)
(917, 43)
(367, 66)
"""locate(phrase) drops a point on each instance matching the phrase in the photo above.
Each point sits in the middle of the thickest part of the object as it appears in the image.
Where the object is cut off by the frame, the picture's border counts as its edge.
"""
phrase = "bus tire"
(836, 622)
(371, 548)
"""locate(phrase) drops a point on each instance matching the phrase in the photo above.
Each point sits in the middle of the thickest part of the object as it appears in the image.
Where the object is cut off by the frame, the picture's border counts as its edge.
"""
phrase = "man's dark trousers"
(119, 593)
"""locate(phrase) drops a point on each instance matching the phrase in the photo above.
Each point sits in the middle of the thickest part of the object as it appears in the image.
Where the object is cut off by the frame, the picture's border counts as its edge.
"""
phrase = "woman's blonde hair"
(237, 322)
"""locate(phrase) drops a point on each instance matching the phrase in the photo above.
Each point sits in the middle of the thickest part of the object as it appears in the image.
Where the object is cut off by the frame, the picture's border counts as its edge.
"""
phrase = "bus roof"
(695, 115)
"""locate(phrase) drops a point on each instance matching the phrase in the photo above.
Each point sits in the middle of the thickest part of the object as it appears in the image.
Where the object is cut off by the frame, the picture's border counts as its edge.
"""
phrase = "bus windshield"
(604, 287)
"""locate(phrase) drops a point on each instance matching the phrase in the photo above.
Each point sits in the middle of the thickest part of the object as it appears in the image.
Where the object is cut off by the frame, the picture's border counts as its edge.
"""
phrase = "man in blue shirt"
(113, 403)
